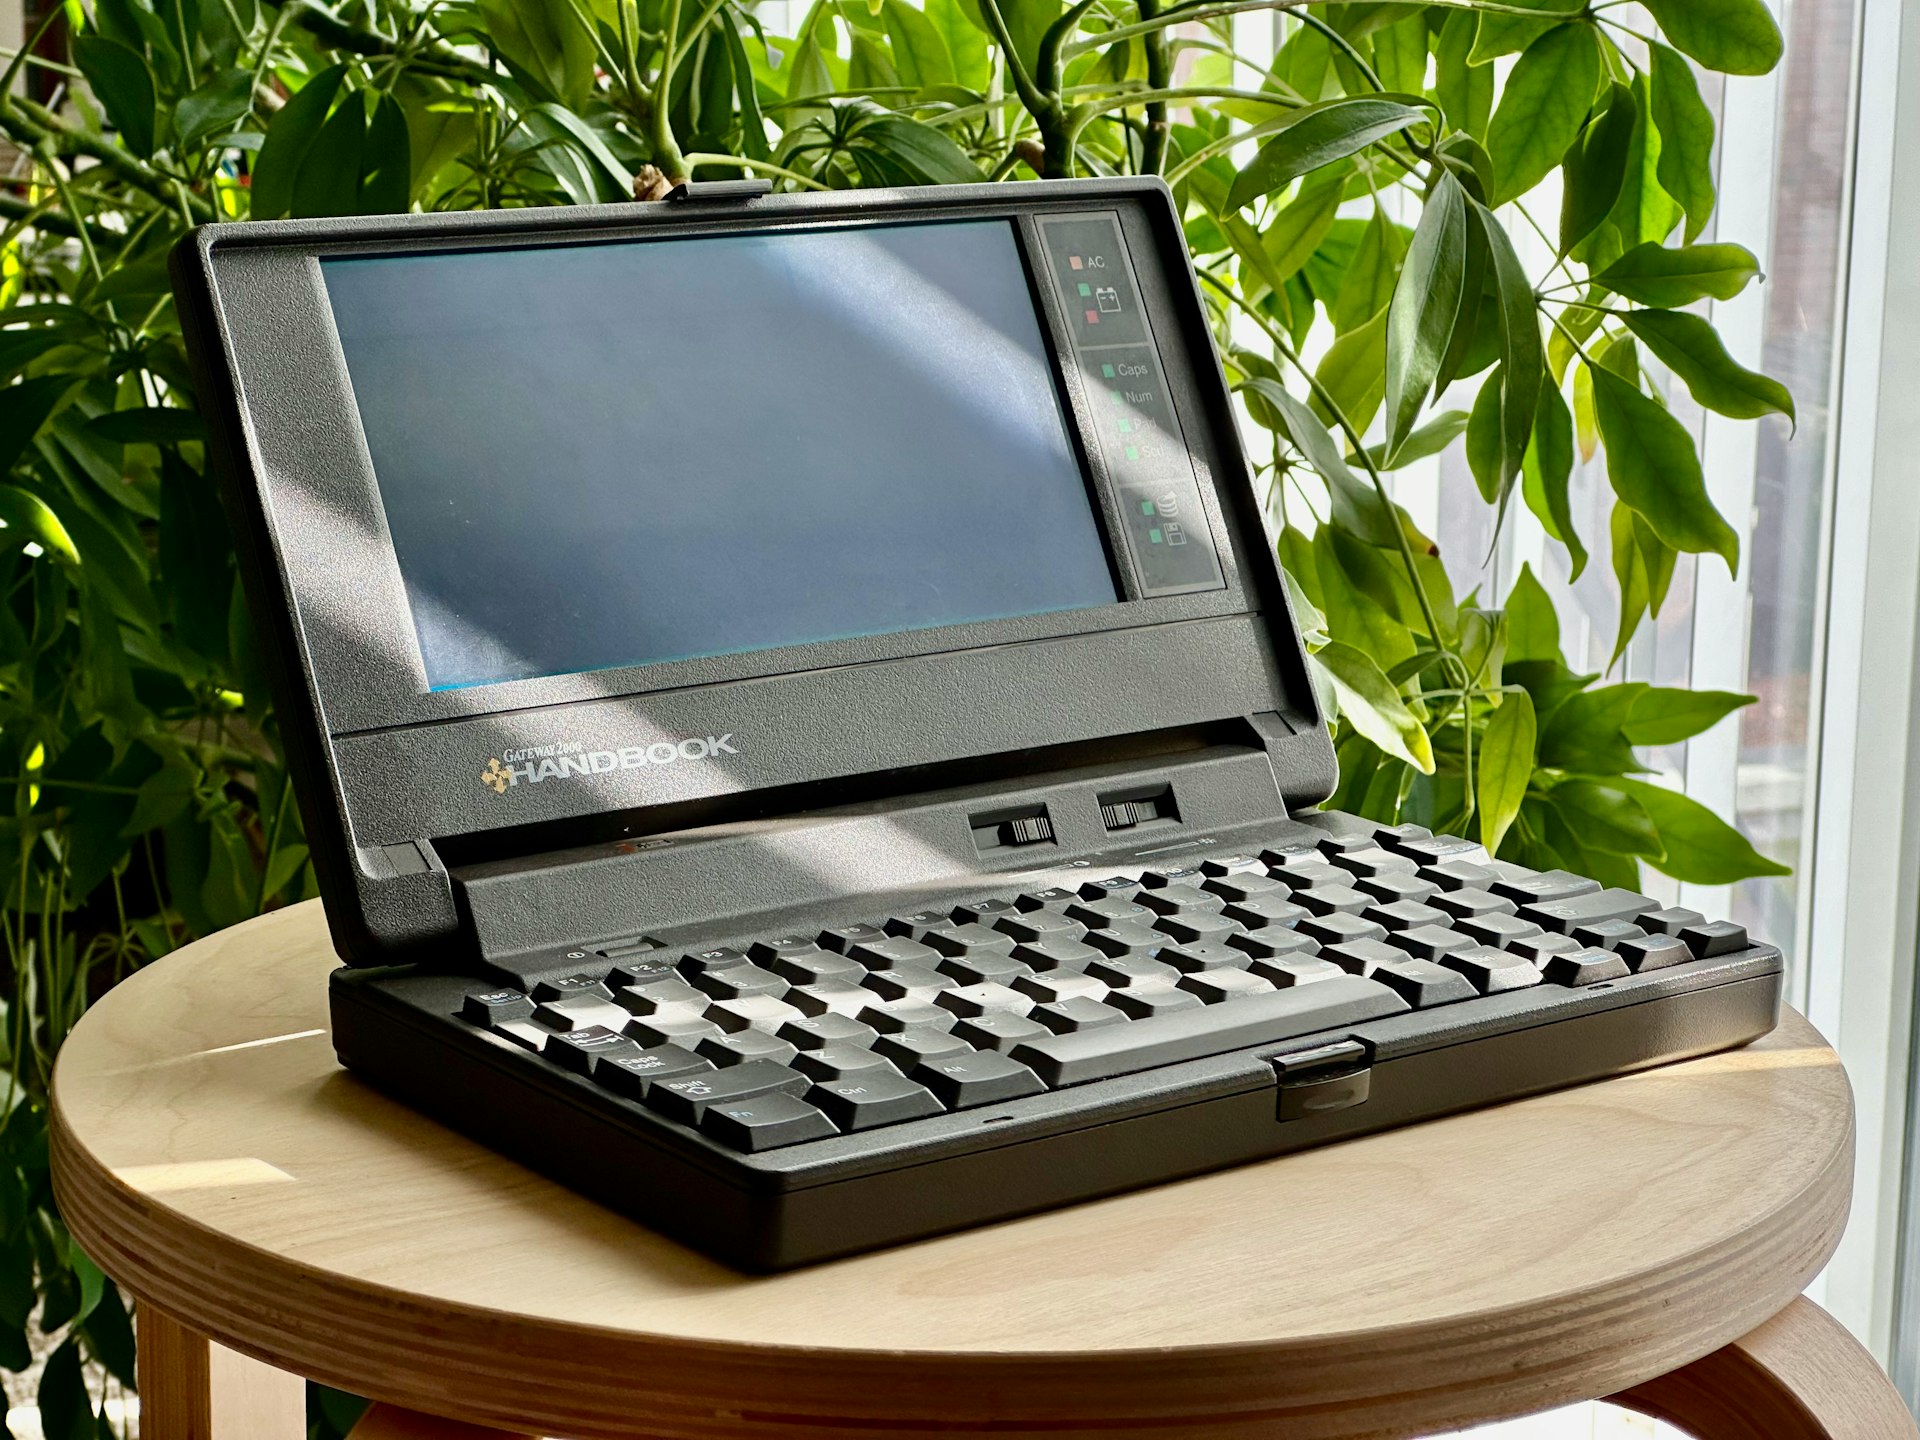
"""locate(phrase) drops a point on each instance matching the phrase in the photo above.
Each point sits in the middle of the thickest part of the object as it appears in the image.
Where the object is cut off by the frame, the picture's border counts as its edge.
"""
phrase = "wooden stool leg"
(390, 1422)
(1800, 1376)
(193, 1389)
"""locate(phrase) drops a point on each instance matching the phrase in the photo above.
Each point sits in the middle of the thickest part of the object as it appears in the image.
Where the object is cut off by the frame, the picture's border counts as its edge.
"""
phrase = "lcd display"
(618, 454)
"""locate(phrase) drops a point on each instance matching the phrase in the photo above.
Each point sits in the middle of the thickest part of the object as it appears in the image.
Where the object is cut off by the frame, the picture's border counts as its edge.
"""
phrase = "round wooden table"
(1644, 1238)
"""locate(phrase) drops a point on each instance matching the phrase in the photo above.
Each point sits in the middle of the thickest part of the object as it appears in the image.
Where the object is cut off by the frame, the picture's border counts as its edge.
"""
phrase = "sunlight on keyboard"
(1578, 1422)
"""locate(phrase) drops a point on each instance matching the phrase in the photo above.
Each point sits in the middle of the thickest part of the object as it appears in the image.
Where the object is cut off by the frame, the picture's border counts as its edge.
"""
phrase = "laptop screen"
(622, 453)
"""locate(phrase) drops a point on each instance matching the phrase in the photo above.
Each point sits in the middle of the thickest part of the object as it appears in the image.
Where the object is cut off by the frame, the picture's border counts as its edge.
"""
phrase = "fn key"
(764, 1122)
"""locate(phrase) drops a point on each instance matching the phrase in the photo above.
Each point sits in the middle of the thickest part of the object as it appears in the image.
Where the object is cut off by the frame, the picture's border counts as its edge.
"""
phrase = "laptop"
(801, 733)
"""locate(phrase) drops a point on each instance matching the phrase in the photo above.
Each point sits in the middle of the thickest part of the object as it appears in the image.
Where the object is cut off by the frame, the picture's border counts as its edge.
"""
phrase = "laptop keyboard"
(784, 1038)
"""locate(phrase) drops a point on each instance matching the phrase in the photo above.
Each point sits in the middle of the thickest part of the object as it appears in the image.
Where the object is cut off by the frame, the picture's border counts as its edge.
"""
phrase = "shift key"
(1083, 1055)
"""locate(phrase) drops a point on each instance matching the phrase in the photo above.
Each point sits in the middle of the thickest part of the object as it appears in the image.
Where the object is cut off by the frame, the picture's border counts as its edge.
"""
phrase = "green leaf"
(24, 408)
(753, 124)
(1686, 138)
(1368, 285)
(1666, 278)
(1371, 705)
(1504, 34)
(163, 795)
(1666, 715)
(1595, 167)
(214, 109)
(386, 162)
(1429, 440)
(27, 517)
(1477, 327)
(919, 52)
(1546, 471)
(966, 43)
(1701, 848)
(1425, 306)
(1691, 348)
(1483, 440)
(1465, 91)
(927, 155)
(545, 44)
(1542, 108)
(329, 178)
(290, 136)
(1735, 37)
(123, 83)
(1533, 626)
(1318, 135)
(1354, 372)
(583, 138)
(66, 1410)
(1606, 817)
(870, 66)
(1644, 213)
(1350, 582)
(1522, 357)
(1584, 732)
(1654, 468)
(1506, 764)
(1027, 22)
(149, 425)
(1356, 504)
(1400, 53)
(1296, 232)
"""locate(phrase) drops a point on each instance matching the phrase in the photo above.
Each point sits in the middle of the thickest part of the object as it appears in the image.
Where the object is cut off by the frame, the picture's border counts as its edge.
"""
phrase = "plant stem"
(1153, 149)
(764, 167)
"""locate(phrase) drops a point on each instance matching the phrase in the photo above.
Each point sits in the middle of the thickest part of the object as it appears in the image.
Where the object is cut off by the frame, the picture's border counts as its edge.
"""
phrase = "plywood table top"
(212, 1155)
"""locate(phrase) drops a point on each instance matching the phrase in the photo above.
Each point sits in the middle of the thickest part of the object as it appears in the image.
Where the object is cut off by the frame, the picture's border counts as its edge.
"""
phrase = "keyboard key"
(1165, 877)
(1264, 912)
(907, 983)
(831, 997)
(1333, 900)
(1070, 1017)
(1032, 927)
(1314, 876)
(1435, 849)
(1583, 967)
(1218, 865)
(1458, 875)
(1497, 930)
(1331, 843)
(1492, 971)
(1113, 885)
(572, 987)
(745, 1045)
(1670, 921)
(1244, 886)
(488, 1006)
(1653, 952)
(1423, 984)
(982, 912)
(811, 967)
(1277, 944)
(1608, 934)
(1054, 986)
(1052, 955)
(1711, 938)
(893, 953)
(1538, 887)
(1293, 852)
(1538, 947)
(576, 1049)
(983, 967)
(662, 997)
(1181, 900)
(915, 925)
(684, 1030)
(1216, 986)
(1470, 903)
(752, 1012)
(1594, 907)
(1126, 940)
(1200, 929)
(1397, 885)
(861, 1102)
(982, 1078)
(581, 1013)
(685, 1097)
(1338, 928)
(781, 947)
(1404, 915)
(816, 1032)
(985, 1000)
(1373, 861)
(630, 1074)
(1194, 959)
(717, 957)
(1108, 911)
(1387, 834)
(1358, 957)
(1097, 1053)
(527, 1034)
(738, 981)
(1288, 971)
(1430, 942)
(842, 938)
(765, 1122)
(1122, 971)
(968, 940)
(1144, 1003)
(1051, 898)
(834, 1062)
(1000, 1030)
(896, 1017)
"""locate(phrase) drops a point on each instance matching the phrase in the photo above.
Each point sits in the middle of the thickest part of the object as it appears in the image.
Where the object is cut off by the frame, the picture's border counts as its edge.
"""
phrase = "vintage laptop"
(801, 732)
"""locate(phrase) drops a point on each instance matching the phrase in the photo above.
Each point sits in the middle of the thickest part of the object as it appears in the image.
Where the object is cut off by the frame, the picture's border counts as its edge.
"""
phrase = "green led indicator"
(1126, 427)
(1154, 535)
(1086, 289)
(1107, 371)
(1133, 452)
(1146, 507)
(1115, 394)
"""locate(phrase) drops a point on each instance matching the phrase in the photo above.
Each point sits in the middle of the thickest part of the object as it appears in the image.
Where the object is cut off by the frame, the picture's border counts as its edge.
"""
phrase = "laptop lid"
(568, 524)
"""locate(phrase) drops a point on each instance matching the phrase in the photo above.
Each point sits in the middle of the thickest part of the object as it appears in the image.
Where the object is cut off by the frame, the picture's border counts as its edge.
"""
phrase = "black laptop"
(800, 728)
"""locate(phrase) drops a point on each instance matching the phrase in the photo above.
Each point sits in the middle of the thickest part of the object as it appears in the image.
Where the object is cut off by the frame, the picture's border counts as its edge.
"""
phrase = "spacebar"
(1191, 1034)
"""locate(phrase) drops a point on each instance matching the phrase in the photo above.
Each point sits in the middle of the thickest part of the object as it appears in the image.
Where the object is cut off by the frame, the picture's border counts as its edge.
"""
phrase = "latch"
(699, 191)
(1321, 1080)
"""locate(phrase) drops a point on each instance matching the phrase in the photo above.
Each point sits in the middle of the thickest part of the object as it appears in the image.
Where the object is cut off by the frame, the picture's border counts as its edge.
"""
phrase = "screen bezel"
(327, 524)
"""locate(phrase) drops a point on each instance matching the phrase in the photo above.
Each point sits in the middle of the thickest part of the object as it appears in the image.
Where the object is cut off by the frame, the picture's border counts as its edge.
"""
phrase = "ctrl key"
(765, 1122)
(861, 1102)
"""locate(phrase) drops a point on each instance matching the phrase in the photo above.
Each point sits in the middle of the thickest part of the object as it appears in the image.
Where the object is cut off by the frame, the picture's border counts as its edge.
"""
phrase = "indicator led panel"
(1140, 439)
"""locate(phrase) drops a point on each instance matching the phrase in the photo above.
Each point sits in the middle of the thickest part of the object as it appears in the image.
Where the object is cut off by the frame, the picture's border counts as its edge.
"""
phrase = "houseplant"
(1352, 204)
